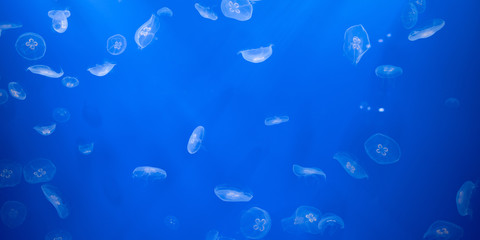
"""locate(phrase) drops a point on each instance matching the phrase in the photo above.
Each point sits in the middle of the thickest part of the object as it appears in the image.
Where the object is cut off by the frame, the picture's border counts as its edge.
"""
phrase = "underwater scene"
(239, 119)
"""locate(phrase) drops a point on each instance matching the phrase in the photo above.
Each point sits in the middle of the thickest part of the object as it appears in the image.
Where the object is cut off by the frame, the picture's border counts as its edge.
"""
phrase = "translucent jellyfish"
(13, 213)
(45, 71)
(255, 223)
(86, 148)
(3, 96)
(240, 10)
(116, 44)
(382, 149)
(420, 4)
(206, 12)
(356, 43)
(146, 33)
(195, 140)
(350, 165)
(215, 235)
(58, 235)
(270, 121)
(165, 11)
(427, 30)
(464, 196)
(45, 130)
(6, 26)
(59, 20)
(409, 16)
(70, 82)
(61, 115)
(330, 223)
(16, 91)
(443, 230)
(101, 70)
(31, 46)
(452, 103)
(10, 173)
(39, 171)
(54, 196)
(149, 174)
(388, 71)
(257, 55)
(305, 172)
(171, 222)
(305, 219)
(232, 194)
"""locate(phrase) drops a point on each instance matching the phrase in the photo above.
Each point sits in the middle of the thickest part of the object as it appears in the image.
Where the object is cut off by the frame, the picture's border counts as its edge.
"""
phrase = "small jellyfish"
(304, 220)
(165, 11)
(70, 82)
(45, 71)
(86, 148)
(39, 171)
(232, 194)
(427, 30)
(59, 20)
(330, 223)
(350, 165)
(116, 44)
(356, 43)
(16, 91)
(101, 70)
(195, 140)
(382, 149)
(443, 230)
(31, 46)
(215, 235)
(10, 173)
(149, 174)
(206, 12)
(240, 10)
(270, 121)
(255, 223)
(452, 103)
(45, 130)
(388, 71)
(61, 115)
(308, 172)
(409, 16)
(58, 235)
(6, 26)
(171, 222)
(146, 33)
(421, 5)
(257, 55)
(54, 196)
(13, 213)
(3, 96)
(464, 196)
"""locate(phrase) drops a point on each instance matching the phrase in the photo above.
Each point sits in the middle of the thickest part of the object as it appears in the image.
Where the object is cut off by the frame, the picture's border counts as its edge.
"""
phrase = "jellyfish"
(116, 44)
(240, 10)
(257, 55)
(54, 196)
(464, 196)
(45, 71)
(13, 213)
(232, 194)
(101, 70)
(16, 91)
(452, 103)
(195, 140)
(206, 12)
(350, 165)
(330, 223)
(305, 219)
(10, 173)
(356, 43)
(171, 222)
(86, 148)
(61, 115)
(443, 230)
(255, 223)
(30, 46)
(409, 16)
(308, 172)
(58, 235)
(6, 26)
(149, 174)
(146, 33)
(421, 5)
(45, 130)
(388, 71)
(165, 11)
(3, 96)
(59, 20)
(382, 149)
(427, 30)
(39, 171)
(275, 120)
(70, 82)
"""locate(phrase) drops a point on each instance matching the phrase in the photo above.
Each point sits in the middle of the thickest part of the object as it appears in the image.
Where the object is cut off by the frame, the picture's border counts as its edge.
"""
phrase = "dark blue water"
(143, 112)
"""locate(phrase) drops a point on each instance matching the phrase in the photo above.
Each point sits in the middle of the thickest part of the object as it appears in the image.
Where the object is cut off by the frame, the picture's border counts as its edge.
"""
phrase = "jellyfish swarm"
(388, 71)
(330, 223)
(427, 30)
(58, 235)
(10, 173)
(30, 46)
(464, 196)
(350, 165)
(101, 70)
(116, 44)
(13, 213)
(45, 71)
(275, 120)
(240, 10)
(443, 230)
(232, 194)
(195, 140)
(149, 174)
(356, 43)
(59, 20)
(70, 82)
(39, 170)
(45, 130)
(61, 115)
(146, 33)
(314, 173)
(382, 149)
(255, 223)
(54, 196)
(16, 91)
(3, 96)
(305, 219)
(409, 16)
(257, 55)
(206, 12)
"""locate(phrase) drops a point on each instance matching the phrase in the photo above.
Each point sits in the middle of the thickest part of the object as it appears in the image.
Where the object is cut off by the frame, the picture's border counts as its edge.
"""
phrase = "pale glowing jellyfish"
(6, 26)
(61, 115)
(116, 44)
(59, 20)
(86, 148)
(443, 230)
(464, 196)
(257, 55)
(171, 222)
(305, 219)
(232, 194)
(16, 91)
(206, 12)
(409, 16)
(350, 165)
(70, 82)
(275, 120)
(388, 71)
(13, 213)
(39, 171)
(10, 173)
(195, 140)
(300, 171)
(427, 30)
(146, 33)
(58, 235)
(382, 149)
(54, 196)
(149, 174)
(45, 71)
(330, 223)
(45, 130)
(215, 235)
(255, 223)
(356, 43)
(31, 46)
(101, 70)
(240, 10)
(420, 4)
